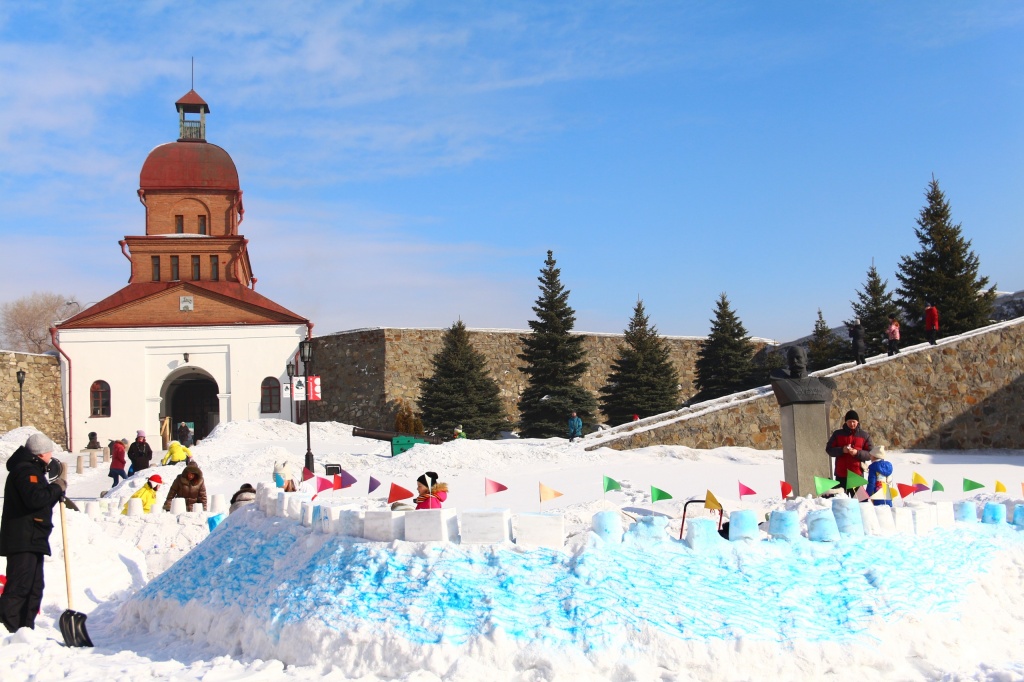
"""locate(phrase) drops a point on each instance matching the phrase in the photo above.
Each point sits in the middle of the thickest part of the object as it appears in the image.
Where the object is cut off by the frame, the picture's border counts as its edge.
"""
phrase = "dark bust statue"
(94, 443)
(794, 386)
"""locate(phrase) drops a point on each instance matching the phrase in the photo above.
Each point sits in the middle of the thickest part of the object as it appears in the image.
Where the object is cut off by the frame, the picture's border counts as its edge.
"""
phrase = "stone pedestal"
(804, 436)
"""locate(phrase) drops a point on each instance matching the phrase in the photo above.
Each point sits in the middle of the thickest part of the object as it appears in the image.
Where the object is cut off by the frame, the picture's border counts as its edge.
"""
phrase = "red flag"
(398, 493)
(744, 490)
(491, 487)
(787, 489)
(906, 490)
(336, 483)
(307, 474)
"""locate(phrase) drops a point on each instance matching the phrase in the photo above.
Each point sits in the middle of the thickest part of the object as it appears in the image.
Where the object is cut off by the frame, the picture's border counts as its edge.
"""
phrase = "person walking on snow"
(139, 452)
(575, 427)
(892, 333)
(25, 526)
(431, 493)
(147, 493)
(850, 446)
(931, 323)
(176, 454)
(857, 341)
(117, 461)
(188, 485)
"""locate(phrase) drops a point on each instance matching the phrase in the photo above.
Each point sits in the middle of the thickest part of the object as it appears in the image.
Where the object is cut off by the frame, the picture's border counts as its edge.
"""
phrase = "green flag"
(658, 494)
(971, 485)
(854, 480)
(823, 485)
(611, 484)
(936, 486)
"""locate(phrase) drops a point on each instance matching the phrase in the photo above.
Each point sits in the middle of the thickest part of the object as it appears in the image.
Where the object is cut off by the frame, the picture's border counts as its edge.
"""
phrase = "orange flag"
(711, 502)
(547, 493)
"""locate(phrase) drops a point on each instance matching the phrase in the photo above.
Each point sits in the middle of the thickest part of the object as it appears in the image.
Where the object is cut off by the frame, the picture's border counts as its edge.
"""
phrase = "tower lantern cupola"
(192, 130)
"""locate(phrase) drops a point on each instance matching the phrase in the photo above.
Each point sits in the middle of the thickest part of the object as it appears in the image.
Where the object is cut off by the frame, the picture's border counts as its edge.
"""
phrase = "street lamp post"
(306, 353)
(21, 399)
(290, 369)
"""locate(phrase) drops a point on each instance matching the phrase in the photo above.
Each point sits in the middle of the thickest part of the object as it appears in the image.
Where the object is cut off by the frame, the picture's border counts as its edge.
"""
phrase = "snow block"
(944, 517)
(114, 506)
(653, 527)
(607, 525)
(306, 513)
(702, 534)
(966, 511)
(178, 505)
(822, 526)
(743, 525)
(783, 524)
(431, 525)
(994, 512)
(904, 520)
(281, 504)
(540, 530)
(869, 519)
(92, 509)
(197, 508)
(924, 518)
(886, 520)
(135, 507)
(348, 522)
(1018, 515)
(215, 520)
(846, 510)
(218, 504)
(384, 526)
(485, 526)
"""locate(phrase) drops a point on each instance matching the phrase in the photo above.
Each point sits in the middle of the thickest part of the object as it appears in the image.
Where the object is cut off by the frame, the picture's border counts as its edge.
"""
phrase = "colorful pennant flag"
(1000, 488)
(971, 485)
(374, 484)
(323, 484)
(881, 494)
(823, 485)
(921, 487)
(307, 474)
(398, 493)
(491, 487)
(744, 490)
(659, 494)
(611, 484)
(906, 490)
(344, 480)
(919, 479)
(937, 487)
(893, 492)
(711, 502)
(854, 480)
(787, 489)
(547, 493)
(862, 494)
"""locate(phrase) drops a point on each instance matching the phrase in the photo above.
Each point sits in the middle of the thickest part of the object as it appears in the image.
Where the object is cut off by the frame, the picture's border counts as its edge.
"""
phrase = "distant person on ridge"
(458, 433)
(575, 427)
(931, 323)
(892, 333)
(857, 341)
(431, 493)
(850, 446)
(139, 452)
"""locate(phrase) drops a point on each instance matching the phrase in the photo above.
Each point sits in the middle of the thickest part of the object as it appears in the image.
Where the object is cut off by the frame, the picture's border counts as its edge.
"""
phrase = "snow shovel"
(72, 623)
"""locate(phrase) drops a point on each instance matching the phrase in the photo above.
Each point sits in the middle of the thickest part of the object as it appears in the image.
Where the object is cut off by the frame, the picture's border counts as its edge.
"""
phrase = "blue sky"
(408, 164)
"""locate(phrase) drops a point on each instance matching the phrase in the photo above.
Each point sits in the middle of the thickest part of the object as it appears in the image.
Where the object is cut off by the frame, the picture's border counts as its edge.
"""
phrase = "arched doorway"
(192, 398)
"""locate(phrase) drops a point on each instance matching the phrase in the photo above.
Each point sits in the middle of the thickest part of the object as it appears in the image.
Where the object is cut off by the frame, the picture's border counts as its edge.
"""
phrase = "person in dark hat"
(243, 496)
(25, 527)
(431, 493)
(850, 446)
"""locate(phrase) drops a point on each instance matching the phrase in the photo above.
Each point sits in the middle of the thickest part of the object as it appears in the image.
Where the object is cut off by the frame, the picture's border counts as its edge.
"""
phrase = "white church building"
(188, 339)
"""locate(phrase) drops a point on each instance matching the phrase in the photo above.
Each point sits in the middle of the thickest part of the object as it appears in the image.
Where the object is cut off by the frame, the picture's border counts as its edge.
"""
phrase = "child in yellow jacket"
(147, 493)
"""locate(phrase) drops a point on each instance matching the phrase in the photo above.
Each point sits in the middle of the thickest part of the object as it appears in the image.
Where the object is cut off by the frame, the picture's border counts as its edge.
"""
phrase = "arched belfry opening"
(192, 397)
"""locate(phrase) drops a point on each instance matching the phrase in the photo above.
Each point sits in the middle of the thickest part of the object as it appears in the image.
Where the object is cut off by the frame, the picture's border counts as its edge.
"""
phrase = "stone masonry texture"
(43, 404)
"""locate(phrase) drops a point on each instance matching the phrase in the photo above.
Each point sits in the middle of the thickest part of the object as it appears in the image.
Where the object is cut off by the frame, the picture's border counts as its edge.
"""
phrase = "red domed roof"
(188, 165)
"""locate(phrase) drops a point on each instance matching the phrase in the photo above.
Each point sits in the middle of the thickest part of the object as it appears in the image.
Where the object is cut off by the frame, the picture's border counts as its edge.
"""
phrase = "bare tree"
(25, 323)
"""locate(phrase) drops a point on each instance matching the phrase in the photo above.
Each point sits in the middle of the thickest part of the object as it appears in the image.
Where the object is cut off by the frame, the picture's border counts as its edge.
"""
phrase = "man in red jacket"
(931, 323)
(849, 446)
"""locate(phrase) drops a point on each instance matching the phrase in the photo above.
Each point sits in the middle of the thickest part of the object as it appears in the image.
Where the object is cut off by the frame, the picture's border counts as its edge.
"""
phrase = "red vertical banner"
(314, 388)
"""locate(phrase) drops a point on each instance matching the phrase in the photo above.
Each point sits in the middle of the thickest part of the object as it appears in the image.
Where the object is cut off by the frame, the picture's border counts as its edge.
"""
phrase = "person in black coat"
(25, 526)
(857, 340)
(139, 452)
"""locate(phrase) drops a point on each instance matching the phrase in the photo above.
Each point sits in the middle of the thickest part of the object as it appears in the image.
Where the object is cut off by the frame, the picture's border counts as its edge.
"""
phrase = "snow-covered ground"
(264, 598)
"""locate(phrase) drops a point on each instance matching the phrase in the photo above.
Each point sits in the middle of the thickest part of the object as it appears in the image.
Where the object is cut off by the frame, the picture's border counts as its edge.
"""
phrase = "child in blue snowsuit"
(878, 471)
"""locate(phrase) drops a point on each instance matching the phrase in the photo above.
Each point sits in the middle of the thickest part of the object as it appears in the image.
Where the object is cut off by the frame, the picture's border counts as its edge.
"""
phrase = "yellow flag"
(711, 502)
(547, 493)
(918, 478)
(1000, 488)
(892, 492)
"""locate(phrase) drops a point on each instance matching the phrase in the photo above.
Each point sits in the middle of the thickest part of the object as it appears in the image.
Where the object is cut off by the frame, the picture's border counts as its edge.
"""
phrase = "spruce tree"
(724, 360)
(825, 349)
(643, 380)
(555, 363)
(873, 306)
(943, 272)
(460, 391)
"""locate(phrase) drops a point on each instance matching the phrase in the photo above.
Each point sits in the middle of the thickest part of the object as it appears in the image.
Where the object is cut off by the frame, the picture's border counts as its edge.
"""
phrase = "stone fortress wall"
(41, 393)
(366, 374)
(965, 393)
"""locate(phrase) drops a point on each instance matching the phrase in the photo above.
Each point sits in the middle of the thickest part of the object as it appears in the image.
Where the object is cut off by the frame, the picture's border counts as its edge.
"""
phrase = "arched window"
(270, 396)
(99, 399)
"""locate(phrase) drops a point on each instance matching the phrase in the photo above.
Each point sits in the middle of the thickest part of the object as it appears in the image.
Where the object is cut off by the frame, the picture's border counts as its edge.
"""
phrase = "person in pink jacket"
(431, 493)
